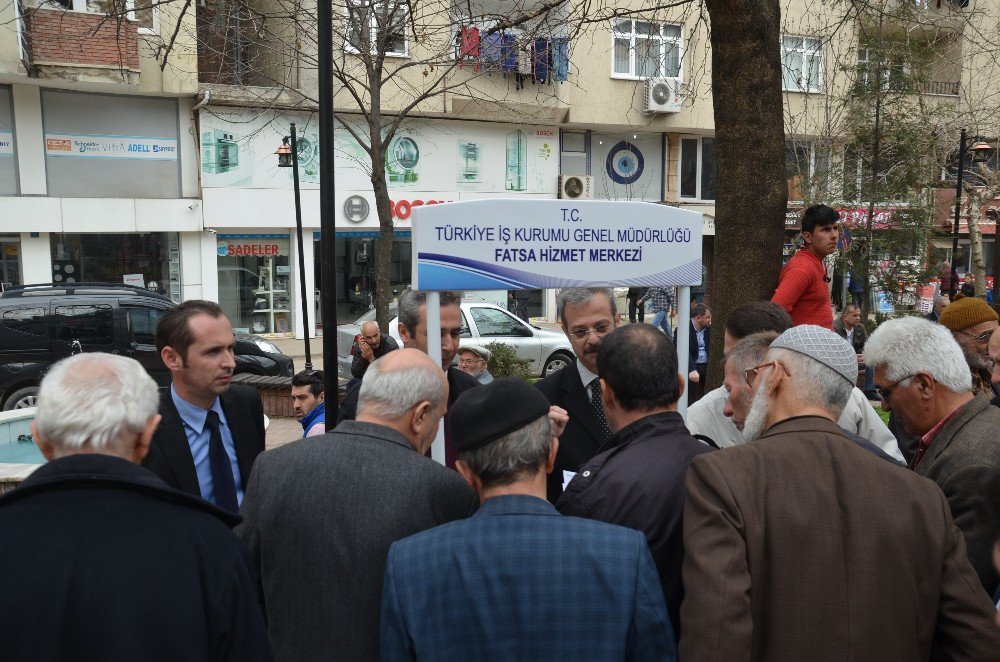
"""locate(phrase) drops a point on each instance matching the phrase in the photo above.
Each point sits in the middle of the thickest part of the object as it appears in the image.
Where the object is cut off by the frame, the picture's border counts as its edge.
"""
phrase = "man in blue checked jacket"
(517, 580)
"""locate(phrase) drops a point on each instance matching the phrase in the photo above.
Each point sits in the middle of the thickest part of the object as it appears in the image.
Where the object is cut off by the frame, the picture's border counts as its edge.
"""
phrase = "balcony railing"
(940, 88)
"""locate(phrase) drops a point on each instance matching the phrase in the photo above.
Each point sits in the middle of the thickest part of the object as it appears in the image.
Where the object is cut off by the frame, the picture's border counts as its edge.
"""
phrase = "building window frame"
(699, 159)
(664, 37)
(373, 8)
(809, 52)
(89, 7)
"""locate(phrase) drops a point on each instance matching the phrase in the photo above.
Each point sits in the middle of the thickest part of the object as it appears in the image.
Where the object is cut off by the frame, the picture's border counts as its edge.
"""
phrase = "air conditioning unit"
(663, 95)
(576, 187)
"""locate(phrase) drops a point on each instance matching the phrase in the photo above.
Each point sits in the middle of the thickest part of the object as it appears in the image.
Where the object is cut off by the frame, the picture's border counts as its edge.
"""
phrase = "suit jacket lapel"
(241, 426)
(578, 405)
(173, 444)
(950, 429)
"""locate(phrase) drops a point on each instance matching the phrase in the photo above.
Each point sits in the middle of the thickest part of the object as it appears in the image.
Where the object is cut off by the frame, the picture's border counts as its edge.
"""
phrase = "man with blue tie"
(211, 432)
(517, 580)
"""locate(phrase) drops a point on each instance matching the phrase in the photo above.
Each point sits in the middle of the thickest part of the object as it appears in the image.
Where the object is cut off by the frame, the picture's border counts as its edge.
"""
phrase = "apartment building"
(616, 109)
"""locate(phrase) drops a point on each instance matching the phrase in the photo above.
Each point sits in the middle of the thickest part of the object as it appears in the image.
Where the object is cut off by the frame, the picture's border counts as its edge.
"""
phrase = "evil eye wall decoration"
(625, 163)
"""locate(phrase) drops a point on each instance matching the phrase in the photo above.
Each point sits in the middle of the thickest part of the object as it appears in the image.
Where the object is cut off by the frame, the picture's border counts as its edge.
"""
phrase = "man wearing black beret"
(517, 580)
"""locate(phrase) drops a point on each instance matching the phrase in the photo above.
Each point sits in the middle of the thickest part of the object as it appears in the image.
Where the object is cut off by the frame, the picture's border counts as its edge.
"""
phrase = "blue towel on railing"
(541, 60)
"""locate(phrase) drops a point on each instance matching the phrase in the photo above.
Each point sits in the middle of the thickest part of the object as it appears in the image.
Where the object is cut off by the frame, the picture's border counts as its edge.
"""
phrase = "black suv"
(40, 324)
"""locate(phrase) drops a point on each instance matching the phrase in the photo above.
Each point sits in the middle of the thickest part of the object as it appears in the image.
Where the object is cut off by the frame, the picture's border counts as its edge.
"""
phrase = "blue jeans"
(869, 380)
(662, 320)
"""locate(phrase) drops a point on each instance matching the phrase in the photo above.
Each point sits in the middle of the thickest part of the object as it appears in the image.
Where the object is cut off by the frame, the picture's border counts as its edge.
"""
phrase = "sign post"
(510, 244)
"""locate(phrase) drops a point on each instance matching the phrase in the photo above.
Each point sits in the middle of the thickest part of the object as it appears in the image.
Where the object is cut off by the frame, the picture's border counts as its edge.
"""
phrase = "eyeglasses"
(982, 337)
(599, 329)
(885, 392)
(469, 361)
(752, 373)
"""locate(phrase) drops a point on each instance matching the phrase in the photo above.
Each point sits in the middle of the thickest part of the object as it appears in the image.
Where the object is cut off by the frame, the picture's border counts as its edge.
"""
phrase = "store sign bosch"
(401, 209)
(528, 244)
(110, 147)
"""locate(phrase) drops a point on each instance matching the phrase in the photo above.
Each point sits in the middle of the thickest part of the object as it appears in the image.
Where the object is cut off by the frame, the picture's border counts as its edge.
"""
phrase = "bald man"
(370, 345)
(320, 514)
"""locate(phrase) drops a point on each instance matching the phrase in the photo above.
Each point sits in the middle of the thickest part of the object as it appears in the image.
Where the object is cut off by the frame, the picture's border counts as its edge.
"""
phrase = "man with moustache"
(587, 315)
(972, 323)
(800, 545)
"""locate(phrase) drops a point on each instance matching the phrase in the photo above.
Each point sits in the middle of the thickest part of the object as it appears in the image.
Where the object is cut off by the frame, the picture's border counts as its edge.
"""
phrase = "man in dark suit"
(320, 514)
(483, 588)
(940, 304)
(802, 545)
(148, 573)
(211, 432)
(587, 315)
(638, 481)
(699, 341)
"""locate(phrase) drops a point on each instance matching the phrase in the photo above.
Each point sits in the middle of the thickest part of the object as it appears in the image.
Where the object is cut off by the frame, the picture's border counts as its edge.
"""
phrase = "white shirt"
(705, 417)
(586, 376)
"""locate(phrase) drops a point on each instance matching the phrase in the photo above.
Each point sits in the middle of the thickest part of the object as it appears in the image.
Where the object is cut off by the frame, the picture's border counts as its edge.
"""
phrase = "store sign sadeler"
(237, 248)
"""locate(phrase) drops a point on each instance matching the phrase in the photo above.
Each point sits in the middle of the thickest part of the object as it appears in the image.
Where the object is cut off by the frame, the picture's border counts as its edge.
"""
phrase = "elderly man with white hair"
(923, 377)
(802, 545)
(322, 512)
(101, 560)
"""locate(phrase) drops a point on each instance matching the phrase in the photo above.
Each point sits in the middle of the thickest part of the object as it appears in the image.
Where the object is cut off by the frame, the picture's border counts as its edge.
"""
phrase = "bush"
(505, 362)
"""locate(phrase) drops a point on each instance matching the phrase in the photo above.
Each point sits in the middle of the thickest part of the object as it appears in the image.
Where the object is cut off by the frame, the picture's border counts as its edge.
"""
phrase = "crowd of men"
(579, 518)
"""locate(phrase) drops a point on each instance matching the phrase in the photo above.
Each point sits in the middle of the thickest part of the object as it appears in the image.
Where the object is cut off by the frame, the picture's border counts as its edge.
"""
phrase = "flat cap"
(476, 349)
(823, 345)
(967, 312)
(486, 413)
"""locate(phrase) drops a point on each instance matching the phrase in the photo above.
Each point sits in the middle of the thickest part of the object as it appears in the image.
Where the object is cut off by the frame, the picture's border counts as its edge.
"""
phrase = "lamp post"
(980, 152)
(288, 157)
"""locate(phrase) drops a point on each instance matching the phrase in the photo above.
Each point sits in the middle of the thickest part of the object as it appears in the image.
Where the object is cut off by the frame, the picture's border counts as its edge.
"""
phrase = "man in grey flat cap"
(802, 545)
(474, 360)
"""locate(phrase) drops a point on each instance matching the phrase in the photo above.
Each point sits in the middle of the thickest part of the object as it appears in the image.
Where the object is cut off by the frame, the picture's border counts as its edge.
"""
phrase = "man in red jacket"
(802, 285)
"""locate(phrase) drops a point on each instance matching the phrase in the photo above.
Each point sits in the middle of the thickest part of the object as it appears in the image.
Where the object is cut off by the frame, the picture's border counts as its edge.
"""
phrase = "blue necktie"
(223, 485)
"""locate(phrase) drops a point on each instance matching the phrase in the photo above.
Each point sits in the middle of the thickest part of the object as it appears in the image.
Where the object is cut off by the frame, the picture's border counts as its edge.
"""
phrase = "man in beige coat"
(801, 545)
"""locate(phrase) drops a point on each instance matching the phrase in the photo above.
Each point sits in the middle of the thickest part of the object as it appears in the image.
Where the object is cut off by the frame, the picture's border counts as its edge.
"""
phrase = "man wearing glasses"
(923, 379)
(474, 360)
(802, 546)
(587, 315)
(972, 322)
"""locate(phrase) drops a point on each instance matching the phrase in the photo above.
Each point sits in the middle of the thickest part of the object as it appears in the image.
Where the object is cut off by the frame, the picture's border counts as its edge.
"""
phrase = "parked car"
(546, 351)
(40, 324)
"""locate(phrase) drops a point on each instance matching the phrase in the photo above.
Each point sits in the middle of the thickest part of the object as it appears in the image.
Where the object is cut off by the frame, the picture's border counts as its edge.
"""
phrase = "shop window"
(698, 172)
(30, 321)
(493, 322)
(149, 260)
(255, 282)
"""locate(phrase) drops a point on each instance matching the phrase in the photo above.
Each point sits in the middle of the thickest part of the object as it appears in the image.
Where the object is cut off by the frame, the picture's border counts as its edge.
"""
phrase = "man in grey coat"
(923, 377)
(321, 513)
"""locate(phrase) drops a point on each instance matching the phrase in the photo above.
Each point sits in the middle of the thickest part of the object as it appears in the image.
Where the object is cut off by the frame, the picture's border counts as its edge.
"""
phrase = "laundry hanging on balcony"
(468, 48)
(560, 59)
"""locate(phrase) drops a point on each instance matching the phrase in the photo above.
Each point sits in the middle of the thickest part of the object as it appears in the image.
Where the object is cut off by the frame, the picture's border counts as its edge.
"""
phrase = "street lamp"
(980, 153)
(288, 157)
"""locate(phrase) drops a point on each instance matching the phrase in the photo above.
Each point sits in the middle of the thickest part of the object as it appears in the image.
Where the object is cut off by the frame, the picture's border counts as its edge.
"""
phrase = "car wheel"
(22, 398)
(556, 362)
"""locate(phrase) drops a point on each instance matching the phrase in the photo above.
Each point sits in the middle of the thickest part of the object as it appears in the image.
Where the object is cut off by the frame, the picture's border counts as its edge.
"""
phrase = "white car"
(546, 351)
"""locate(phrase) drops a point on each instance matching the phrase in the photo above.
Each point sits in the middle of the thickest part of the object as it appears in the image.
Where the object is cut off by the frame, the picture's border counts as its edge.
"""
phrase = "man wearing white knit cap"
(802, 545)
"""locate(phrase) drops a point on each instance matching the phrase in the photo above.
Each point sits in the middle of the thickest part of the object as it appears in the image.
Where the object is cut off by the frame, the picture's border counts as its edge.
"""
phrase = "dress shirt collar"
(586, 376)
(928, 438)
(193, 415)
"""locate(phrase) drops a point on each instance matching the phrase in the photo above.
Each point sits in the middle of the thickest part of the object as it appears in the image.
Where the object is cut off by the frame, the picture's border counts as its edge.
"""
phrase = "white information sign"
(138, 280)
(110, 147)
(6, 143)
(529, 244)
